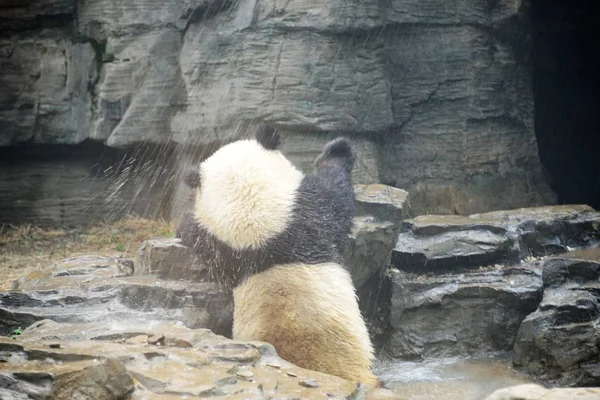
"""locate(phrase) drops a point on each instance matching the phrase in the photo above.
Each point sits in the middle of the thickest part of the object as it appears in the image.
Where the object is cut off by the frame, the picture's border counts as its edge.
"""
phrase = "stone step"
(445, 243)
(95, 288)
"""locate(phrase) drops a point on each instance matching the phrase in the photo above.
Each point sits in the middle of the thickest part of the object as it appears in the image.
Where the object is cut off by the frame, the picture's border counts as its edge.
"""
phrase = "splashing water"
(448, 378)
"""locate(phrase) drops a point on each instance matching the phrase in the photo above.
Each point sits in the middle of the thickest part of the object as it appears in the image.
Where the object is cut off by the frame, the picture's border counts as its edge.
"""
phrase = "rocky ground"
(146, 326)
(28, 248)
(164, 360)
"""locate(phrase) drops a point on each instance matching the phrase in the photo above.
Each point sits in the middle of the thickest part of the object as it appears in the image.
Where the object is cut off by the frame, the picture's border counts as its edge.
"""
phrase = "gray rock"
(101, 361)
(379, 214)
(168, 259)
(26, 14)
(305, 79)
(370, 248)
(46, 77)
(7, 394)
(86, 290)
(385, 203)
(138, 88)
(91, 183)
(559, 343)
(104, 380)
(104, 18)
(85, 268)
(550, 230)
(570, 272)
(198, 72)
(461, 95)
(444, 242)
(460, 314)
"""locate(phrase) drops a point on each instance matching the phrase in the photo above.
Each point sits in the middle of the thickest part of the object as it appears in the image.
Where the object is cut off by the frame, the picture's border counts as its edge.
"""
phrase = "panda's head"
(245, 191)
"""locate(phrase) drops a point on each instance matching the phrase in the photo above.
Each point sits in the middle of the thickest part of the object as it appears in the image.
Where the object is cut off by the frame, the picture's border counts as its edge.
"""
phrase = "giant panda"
(275, 237)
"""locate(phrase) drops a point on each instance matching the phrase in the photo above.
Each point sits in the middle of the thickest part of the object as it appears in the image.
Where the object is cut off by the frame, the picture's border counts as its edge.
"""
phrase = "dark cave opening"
(566, 86)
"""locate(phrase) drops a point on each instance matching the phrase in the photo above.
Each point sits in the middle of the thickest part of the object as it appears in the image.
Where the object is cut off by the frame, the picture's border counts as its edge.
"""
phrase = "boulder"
(560, 341)
(460, 314)
(168, 259)
(385, 203)
(164, 359)
(90, 379)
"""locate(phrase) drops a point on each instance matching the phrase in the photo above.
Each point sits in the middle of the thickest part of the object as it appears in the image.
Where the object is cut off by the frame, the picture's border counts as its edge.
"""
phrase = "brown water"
(449, 379)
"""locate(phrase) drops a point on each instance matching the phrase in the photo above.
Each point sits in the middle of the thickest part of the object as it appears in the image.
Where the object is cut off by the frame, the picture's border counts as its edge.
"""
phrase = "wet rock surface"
(384, 203)
(168, 259)
(159, 360)
(460, 314)
(97, 312)
(380, 210)
(463, 285)
(440, 243)
(560, 341)
(536, 392)
(96, 288)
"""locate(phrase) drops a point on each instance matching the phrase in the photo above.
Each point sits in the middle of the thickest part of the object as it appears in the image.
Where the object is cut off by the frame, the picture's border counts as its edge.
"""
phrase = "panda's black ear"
(192, 178)
(340, 150)
(268, 136)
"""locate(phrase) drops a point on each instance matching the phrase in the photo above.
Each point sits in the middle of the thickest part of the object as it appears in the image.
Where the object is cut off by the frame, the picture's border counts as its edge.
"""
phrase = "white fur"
(246, 194)
(310, 314)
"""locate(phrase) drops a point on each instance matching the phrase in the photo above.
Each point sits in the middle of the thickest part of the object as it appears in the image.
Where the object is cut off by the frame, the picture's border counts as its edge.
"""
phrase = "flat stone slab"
(552, 229)
(385, 203)
(156, 360)
(433, 243)
(460, 314)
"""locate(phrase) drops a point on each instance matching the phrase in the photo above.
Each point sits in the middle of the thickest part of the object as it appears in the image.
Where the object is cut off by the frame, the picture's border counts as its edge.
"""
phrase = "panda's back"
(309, 313)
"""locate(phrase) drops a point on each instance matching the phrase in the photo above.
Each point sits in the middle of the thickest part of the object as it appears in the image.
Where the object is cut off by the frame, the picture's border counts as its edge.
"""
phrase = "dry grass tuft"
(26, 247)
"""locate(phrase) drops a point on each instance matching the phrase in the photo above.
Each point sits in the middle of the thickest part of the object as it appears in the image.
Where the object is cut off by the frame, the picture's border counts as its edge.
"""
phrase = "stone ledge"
(164, 359)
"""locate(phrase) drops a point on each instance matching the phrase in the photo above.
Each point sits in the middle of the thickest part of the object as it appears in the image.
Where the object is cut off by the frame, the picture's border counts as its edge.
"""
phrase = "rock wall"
(438, 98)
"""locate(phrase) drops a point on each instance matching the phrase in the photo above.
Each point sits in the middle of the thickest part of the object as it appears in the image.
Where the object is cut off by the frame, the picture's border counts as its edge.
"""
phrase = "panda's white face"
(246, 194)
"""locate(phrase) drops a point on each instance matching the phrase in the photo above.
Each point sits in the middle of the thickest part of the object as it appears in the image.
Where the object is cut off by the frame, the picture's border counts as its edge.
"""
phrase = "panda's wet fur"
(318, 230)
(290, 288)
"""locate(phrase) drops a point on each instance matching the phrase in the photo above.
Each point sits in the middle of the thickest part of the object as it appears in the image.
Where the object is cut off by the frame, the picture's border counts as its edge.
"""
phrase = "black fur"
(319, 230)
(268, 136)
(339, 151)
(192, 178)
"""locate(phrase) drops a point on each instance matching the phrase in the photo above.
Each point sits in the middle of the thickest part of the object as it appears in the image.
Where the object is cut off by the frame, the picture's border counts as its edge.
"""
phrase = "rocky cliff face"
(438, 98)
